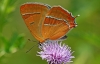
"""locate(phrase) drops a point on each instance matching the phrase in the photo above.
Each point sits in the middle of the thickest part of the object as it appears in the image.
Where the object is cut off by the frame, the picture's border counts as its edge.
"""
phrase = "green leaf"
(11, 42)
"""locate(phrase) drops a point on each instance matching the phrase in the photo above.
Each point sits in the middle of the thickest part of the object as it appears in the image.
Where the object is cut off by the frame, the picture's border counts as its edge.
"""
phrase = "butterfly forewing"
(34, 15)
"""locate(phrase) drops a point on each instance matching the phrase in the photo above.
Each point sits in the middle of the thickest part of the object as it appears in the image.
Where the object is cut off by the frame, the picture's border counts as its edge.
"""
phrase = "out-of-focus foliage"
(8, 44)
(84, 39)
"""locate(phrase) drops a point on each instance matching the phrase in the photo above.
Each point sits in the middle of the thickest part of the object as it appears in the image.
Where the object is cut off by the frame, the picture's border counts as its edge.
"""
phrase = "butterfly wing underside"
(34, 15)
(58, 22)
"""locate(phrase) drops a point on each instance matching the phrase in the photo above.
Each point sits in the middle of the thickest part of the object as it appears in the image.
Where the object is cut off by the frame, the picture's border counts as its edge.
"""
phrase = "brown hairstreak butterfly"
(46, 22)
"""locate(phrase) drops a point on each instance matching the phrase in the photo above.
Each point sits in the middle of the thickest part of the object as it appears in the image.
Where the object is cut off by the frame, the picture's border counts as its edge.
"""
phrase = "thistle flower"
(55, 53)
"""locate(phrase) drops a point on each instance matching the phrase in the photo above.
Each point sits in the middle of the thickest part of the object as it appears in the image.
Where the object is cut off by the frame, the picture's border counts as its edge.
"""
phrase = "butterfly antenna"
(32, 46)
(29, 49)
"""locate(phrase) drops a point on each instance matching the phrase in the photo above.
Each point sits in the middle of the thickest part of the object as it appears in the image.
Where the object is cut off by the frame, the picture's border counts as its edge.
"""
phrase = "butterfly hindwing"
(57, 22)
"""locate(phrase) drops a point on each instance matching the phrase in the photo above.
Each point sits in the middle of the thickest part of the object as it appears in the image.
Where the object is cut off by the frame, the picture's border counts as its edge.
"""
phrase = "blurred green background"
(84, 39)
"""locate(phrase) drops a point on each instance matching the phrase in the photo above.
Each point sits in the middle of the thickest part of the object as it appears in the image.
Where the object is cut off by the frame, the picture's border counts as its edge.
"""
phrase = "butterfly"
(46, 22)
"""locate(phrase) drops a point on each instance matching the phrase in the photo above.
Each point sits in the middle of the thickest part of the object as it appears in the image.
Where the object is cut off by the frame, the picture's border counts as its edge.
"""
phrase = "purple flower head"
(55, 53)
